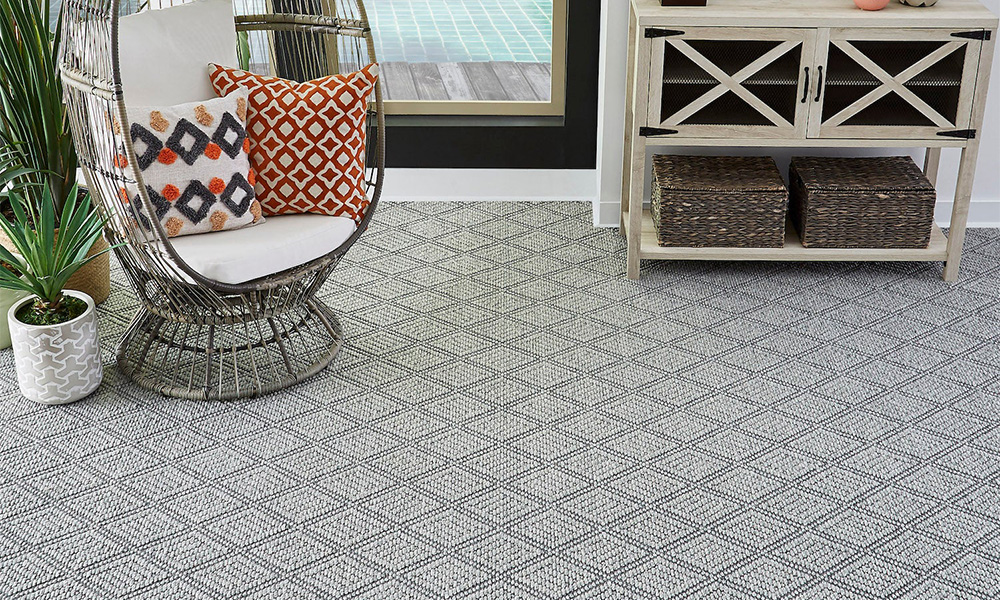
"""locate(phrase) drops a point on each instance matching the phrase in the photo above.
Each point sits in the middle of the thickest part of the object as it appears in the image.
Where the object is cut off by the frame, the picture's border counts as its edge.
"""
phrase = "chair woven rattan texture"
(194, 337)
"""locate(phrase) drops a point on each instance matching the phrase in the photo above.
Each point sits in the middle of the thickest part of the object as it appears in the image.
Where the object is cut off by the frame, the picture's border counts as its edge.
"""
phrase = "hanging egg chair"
(204, 331)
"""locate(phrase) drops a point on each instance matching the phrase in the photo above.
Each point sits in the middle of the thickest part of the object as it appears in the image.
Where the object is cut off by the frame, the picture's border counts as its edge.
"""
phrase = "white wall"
(538, 185)
(985, 210)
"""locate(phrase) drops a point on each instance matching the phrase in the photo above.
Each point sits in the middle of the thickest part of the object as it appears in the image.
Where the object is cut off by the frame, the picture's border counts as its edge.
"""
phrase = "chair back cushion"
(162, 53)
(307, 140)
(195, 165)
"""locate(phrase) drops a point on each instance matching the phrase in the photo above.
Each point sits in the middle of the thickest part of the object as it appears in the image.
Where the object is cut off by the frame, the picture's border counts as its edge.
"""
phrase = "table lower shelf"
(792, 251)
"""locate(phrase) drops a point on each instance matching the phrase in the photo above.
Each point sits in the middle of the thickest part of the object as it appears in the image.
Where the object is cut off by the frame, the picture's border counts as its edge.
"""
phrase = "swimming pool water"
(461, 30)
(456, 30)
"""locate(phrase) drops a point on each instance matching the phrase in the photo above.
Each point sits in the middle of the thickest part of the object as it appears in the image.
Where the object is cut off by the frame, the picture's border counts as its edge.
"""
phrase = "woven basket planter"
(872, 202)
(718, 201)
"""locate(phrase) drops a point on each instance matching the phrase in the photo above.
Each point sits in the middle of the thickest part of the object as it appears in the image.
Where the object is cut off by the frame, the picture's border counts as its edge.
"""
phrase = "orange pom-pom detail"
(170, 192)
(216, 186)
(123, 194)
(252, 177)
(173, 226)
(120, 161)
(213, 151)
(167, 156)
(246, 145)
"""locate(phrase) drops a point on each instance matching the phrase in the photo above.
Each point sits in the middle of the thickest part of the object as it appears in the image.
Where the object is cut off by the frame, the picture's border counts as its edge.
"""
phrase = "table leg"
(932, 162)
(960, 210)
(629, 120)
(637, 153)
(626, 173)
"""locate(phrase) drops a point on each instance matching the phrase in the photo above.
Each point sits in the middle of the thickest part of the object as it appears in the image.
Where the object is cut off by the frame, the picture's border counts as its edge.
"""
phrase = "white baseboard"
(982, 213)
(484, 185)
(533, 185)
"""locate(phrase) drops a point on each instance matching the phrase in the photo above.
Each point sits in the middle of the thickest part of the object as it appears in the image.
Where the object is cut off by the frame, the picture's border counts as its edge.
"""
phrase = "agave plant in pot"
(53, 330)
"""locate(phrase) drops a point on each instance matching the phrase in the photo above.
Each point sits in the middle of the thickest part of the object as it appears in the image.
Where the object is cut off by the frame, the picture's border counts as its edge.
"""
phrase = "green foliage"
(39, 313)
(51, 249)
(10, 172)
(243, 49)
(33, 119)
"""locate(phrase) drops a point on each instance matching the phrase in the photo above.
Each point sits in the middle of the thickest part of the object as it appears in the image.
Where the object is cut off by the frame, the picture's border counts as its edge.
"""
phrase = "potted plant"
(53, 330)
(34, 122)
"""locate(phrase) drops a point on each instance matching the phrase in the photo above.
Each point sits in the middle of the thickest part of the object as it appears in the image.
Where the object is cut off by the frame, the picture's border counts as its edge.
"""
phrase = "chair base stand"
(241, 359)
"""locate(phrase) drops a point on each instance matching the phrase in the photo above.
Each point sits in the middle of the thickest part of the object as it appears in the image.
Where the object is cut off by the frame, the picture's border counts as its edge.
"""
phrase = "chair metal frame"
(194, 337)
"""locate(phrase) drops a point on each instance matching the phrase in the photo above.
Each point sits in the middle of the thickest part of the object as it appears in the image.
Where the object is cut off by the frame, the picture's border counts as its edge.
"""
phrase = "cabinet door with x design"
(896, 84)
(729, 82)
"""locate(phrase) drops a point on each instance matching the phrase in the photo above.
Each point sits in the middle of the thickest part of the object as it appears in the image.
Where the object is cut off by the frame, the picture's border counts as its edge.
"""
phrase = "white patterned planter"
(57, 364)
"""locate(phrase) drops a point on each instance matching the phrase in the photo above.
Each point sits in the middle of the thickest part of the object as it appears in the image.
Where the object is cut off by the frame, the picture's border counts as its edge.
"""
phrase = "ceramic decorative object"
(7, 299)
(918, 2)
(871, 4)
(57, 364)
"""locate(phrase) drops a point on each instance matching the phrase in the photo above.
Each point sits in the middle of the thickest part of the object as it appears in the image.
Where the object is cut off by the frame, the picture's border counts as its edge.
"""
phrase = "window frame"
(515, 142)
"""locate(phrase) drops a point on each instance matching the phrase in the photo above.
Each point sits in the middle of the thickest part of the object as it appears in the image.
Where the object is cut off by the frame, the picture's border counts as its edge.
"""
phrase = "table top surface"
(816, 13)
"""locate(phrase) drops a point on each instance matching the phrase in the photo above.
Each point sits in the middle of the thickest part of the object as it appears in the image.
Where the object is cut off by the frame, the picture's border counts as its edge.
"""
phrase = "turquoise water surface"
(462, 30)
(458, 30)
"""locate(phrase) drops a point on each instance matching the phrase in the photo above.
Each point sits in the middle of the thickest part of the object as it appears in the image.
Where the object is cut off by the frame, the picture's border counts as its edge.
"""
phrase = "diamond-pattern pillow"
(307, 140)
(195, 165)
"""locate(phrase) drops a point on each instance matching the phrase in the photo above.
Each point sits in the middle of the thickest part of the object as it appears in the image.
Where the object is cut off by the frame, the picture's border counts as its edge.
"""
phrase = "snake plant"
(33, 118)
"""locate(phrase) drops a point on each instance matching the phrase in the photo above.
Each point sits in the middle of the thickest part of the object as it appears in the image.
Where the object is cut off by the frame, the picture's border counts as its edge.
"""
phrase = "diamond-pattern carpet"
(512, 418)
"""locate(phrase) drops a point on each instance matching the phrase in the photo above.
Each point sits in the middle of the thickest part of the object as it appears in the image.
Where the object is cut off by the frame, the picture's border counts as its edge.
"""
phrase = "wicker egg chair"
(194, 337)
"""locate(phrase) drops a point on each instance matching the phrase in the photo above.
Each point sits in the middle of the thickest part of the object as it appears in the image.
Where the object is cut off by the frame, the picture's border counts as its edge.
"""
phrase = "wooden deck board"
(539, 76)
(470, 81)
(428, 81)
(398, 81)
(485, 82)
(512, 80)
(456, 82)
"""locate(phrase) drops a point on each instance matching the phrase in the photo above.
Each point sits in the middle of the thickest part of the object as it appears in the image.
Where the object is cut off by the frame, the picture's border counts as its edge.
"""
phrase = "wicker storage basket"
(718, 201)
(872, 202)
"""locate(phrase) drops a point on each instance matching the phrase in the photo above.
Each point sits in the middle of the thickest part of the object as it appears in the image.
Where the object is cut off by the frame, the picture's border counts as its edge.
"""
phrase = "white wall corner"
(611, 111)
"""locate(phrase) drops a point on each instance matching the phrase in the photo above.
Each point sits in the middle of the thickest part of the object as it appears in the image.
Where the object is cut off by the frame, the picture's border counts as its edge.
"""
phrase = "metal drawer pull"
(819, 84)
(805, 88)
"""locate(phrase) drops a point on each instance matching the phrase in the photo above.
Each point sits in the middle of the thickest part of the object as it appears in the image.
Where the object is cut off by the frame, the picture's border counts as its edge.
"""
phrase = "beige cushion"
(164, 52)
(277, 244)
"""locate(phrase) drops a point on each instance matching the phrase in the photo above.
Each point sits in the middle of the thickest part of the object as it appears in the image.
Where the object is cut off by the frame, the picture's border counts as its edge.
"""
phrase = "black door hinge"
(979, 34)
(653, 32)
(967, 134)
(650, 131)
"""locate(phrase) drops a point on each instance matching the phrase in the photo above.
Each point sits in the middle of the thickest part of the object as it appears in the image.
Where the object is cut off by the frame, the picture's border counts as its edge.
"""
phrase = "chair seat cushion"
(277, 244)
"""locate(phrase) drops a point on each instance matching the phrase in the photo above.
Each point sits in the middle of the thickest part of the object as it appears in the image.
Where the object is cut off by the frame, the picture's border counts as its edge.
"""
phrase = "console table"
(810, 74)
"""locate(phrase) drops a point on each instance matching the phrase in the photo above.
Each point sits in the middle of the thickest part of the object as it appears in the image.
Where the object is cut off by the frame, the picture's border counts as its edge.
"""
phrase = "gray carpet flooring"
(512, 418)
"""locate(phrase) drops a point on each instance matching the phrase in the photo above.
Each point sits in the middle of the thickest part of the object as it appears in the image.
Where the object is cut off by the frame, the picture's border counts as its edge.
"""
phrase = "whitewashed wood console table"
(807, 74)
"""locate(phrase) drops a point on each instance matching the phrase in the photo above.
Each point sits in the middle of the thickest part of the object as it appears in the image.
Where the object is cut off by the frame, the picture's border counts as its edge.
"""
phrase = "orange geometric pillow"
(307, 140)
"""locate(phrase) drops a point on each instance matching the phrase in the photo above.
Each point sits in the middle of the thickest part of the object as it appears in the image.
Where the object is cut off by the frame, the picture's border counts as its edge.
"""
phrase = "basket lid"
(727, 174)
(872, 173)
